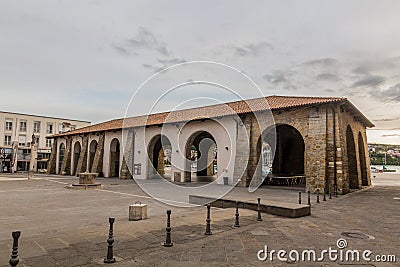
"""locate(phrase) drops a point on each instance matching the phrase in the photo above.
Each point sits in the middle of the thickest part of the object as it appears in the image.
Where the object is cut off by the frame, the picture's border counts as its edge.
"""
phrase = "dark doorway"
(352, 159)
(114, 158)
(363, 164)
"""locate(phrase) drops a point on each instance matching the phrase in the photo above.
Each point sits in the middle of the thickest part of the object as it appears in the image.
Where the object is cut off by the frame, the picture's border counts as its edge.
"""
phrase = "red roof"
(218, 110)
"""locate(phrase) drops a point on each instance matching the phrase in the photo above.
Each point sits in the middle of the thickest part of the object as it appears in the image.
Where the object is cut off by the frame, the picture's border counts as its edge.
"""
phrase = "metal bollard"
(299, 197)
(237, 215)
(110, 254)
(168, 242)
(259, 219)
(208, 220)
(324, 199)
(309, 198)
(330, 195)
(335, 190)
(318, 196)
(14, 254)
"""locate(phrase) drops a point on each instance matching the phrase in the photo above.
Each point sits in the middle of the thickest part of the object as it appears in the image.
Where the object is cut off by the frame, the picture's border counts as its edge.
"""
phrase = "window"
(48, 142)
(22, 140)
(8, 125)
(36, 127)
(49, 128)
(7, 140)
(22, 126)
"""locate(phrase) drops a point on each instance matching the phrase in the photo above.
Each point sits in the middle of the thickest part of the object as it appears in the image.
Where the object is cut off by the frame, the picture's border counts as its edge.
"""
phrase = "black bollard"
(110, 254)
(237, 215)
(208, 220)
(259, 210)
(318, 196)
(335, 190)
(299, 197)
(168, 242)
(14, 254)
(330, 195)
(324, 199)
(309, 198)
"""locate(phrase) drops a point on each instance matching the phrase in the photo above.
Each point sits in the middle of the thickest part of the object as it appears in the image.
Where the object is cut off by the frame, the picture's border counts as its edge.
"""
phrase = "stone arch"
(92, 153)
(159, 153)
(288, 147)
(61, 153)
(363, 160)
(114, 157)
(76, 154)
(201, 156)
(351, 159)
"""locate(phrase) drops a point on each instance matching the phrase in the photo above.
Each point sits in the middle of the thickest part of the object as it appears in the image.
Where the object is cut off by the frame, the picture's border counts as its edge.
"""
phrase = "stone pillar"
(242, 151)
(128, 157)
(97, 166)
(160, 162)
(51, 166)
(66, 163)
(81, 166)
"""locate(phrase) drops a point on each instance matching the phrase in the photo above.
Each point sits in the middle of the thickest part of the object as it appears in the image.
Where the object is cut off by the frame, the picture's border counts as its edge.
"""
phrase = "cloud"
(282, 78)
(387, 119)
(368, 80)
(321, 62)
(144, 40)
(328, 77)
(252, 49)
(163, 63)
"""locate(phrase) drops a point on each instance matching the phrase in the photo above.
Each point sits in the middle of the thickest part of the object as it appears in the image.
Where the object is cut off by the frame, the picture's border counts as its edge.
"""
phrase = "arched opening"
(282, 156)
(201, 155)
(351, 159)
(61, 156)
(363, 162)
(77, 152)
(114, 158)
(92, 152)
(159, 152)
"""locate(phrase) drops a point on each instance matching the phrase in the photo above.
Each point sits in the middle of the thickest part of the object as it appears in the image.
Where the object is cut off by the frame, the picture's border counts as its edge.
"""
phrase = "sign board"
(137, 169)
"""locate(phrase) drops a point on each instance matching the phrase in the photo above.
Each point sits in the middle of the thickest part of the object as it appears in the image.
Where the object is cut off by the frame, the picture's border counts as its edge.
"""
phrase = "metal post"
(318, 196)
(208, 220)
(14, 254)
(309, 198)
(237, 215)
(259, 219)
(330, 195)
(335, 190)
(168, 242)
(324, 199)
(300, 198)
(110, 254)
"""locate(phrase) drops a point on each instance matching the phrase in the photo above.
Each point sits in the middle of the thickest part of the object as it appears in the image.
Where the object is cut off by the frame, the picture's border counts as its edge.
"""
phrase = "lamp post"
(32, 157)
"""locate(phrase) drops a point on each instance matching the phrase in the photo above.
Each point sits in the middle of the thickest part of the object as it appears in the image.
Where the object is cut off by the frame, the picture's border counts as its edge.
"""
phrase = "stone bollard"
(309, 198)
(110, 253)
(259, 219)
(208, 220)
(237, 215)
(299, 198)
(14, 254)
(318, 196)
(168, 242)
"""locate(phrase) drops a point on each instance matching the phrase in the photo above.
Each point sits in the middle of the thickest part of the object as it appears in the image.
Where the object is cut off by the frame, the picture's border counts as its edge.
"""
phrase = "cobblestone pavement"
(63, 227)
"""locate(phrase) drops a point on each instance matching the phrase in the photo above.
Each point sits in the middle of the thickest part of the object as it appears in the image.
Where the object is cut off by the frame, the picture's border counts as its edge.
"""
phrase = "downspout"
(334, 150)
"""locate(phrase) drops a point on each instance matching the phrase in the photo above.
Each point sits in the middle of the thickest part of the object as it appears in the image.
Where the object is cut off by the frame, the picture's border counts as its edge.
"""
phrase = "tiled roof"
(219, 110)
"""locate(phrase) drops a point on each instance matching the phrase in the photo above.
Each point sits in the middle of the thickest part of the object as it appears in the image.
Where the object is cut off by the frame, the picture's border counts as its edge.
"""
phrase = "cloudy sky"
(85, 59)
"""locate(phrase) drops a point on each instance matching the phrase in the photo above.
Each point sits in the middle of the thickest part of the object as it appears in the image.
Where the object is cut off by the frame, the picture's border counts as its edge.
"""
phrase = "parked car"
(374, 169)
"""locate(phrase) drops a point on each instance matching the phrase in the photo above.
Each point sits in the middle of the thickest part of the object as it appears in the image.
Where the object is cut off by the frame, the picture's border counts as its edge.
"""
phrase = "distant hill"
(377, 154)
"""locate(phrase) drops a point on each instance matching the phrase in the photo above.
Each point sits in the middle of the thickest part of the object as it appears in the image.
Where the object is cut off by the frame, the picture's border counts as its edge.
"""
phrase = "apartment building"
(16, 133)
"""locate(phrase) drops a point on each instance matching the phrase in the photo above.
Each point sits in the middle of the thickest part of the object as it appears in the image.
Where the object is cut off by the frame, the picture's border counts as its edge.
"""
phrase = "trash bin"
(225, 180)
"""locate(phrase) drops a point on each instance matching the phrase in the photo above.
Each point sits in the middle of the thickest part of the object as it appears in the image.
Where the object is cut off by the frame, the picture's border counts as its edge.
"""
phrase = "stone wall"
(97, 166)
(82, 161)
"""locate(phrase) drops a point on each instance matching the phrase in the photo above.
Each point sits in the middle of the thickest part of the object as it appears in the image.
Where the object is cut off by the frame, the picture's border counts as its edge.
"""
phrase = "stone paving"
(63, 227)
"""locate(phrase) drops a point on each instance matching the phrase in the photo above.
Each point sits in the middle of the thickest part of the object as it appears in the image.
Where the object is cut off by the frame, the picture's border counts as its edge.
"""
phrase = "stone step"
(283, 209)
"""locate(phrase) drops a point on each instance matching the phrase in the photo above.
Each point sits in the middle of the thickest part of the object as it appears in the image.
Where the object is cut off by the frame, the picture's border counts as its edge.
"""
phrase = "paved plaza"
(63, 227)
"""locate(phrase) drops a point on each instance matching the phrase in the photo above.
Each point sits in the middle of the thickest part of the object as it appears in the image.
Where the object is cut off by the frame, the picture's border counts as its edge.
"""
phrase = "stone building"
(321, 139)
(16, 132)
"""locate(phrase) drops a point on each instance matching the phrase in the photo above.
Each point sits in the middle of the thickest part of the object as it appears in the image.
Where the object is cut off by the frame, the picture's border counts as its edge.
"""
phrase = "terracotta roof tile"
(219, 110)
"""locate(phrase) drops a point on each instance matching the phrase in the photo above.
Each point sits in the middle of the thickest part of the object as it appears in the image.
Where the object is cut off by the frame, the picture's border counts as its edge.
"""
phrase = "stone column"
(81, 166)
(97, 166)
(128, 157)
(51, 166)
(66, 163)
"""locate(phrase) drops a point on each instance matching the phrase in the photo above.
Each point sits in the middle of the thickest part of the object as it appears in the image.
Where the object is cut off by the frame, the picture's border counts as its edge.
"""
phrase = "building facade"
(321, 140)
(16, 131)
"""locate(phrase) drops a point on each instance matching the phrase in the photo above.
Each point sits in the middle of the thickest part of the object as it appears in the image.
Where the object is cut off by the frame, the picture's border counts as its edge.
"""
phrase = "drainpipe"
(334, 149)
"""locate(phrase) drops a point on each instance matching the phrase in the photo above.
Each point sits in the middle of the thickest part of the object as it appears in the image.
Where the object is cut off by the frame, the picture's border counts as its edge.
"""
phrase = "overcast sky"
(85, 59)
